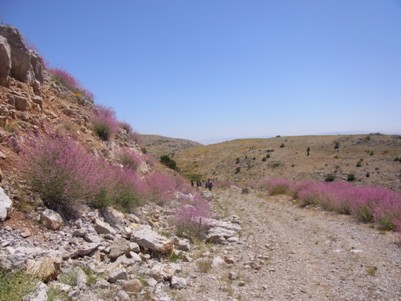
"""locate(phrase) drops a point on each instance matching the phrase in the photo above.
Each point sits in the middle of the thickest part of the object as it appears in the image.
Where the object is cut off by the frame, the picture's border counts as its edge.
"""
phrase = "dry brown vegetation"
(371, 158)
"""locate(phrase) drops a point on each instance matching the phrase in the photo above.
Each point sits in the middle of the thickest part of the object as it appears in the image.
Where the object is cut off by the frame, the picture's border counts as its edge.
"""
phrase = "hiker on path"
(209, 184)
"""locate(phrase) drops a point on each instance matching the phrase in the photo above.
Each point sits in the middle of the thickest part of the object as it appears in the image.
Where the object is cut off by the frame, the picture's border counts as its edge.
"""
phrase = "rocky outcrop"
(5, 61)
(26, 65)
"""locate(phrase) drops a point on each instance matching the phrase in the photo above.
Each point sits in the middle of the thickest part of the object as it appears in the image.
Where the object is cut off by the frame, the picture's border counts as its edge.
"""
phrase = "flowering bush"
(189, 218)
(61, 172)
(136, 137)
(120, 188)
(368, 204)
(126, 126)
(280, 186)
(104, 121)
(129, 158)
(160, 187)
(67, 80)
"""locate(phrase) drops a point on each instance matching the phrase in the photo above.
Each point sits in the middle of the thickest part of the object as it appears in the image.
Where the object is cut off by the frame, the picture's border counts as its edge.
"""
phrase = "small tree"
(336, 145)
(166, 160)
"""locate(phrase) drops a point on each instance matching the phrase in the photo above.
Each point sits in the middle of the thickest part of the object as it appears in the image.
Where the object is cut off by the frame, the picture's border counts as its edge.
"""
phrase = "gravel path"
(291, 253)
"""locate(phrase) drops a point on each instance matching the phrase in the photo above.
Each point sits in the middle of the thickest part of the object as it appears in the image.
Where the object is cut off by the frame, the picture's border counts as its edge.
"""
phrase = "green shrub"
(351, 177)
(15, 285)
(364, 213)
(386, 223)
(330, 177)
(105, 123)
(170, 163)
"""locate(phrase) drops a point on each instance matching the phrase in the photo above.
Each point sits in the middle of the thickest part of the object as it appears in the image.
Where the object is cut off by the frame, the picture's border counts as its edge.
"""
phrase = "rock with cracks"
(149, 239)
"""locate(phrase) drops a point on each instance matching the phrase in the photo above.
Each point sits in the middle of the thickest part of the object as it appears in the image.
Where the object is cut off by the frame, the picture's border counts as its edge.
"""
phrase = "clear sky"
(207, 70)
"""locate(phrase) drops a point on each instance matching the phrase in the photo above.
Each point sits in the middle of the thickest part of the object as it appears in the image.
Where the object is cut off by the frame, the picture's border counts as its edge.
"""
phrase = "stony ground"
(290, 253)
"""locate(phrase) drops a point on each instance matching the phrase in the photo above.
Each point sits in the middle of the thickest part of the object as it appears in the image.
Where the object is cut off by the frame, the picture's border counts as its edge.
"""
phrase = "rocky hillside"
(372, 159)
(66, 165)
(160, 145)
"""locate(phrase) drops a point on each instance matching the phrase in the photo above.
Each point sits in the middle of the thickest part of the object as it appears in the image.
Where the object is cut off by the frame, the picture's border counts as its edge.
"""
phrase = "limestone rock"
(178, 282)
(85, 249)
(113, 216)
(222, 224)
(219, 235)
(183, 244)
(122, 296)
(149, 239)
(45, 268)
(162, 272)
(119, 274)
(21, 103)
(5, 205)
(134, 247)
(119, 247)
(132, 286)
(4, 110)
(51, 219)
(5, 61)
(81, 278)
(103, 228)
(40, 293)
(129, 260)
(26, 65)
(38, 100)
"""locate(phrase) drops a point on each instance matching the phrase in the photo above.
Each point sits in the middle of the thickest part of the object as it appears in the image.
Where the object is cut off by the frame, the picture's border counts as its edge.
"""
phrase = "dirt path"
(290, 253)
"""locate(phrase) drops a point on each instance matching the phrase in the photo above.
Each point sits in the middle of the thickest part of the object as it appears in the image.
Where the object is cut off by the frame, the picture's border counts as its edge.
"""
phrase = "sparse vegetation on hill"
(222, 160)
(159, 145)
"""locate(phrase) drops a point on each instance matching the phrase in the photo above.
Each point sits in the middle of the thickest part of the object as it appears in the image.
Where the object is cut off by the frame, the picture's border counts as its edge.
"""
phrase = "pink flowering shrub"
(280, 186)
(129, 158)
(104, 122)
(190, 218)
(120, 188)
(60, 171)
(126, 126)
(368, 204)
(67, 80)
(150, 159)
(159, 187)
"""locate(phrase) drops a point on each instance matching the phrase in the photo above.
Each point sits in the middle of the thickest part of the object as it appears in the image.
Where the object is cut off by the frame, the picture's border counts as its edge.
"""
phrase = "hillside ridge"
(371, 158)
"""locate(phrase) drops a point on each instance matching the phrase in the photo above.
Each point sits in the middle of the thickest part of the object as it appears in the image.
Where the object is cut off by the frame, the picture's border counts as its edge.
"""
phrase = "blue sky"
(208, 70)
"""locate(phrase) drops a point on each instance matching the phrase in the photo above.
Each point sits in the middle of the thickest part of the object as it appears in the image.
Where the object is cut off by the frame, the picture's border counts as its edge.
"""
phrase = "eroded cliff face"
(17, 60)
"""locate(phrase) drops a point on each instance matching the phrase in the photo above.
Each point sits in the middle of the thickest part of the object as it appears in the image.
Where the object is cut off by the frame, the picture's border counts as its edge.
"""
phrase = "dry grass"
(374, 153)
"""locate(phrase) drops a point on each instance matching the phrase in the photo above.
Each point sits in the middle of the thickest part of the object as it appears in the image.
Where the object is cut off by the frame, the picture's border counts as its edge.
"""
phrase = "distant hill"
(371, 158)
(160, 145)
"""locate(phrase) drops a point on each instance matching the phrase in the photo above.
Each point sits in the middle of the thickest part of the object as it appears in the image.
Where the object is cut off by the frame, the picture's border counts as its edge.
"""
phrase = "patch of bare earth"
(291, 253)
